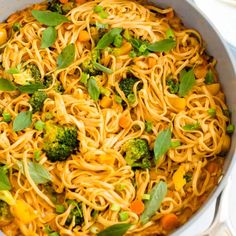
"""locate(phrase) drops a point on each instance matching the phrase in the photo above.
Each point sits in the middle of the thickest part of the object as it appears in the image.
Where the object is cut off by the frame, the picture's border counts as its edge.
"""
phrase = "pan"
(192, 17)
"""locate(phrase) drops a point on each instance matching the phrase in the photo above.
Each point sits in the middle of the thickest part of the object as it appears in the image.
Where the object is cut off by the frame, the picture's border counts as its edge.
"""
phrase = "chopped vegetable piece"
(148, 126)
(118, 41)
(4, 181)
(190, 127)
(188, 176)
(115, 207)
(212, 167)
(173, 86)
(177, 102)
(39, 125)
(131, 98)
(83, 36)
(125, 121)
(209, 77)
(169, 222)
(94, 230)
(137, 207)
(123, 216)
(178, 178)
(16, 26)
(170, 33)
(213, 88)
(106, 102)
(6, 117)
(212, 112)
(118, 99)
(60, 209)
(102, 68)
(146, 196)
(230, 129)
(37, 155)
(175, 144)
(84, 78)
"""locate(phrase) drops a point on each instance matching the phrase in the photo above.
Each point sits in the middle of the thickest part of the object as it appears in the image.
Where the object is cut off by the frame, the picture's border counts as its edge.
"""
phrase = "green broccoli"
(37, 100)
(60, 8)
(127, 85)
(76, 214)
(5, 214)
(35, 73)
(137, 153)
(58, 87)
(59, 141)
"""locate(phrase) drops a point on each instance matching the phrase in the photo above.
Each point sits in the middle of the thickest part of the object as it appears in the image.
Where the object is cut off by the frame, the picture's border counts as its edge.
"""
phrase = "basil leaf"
(189, 127)
(49, 18)
(31, 88)
(209, 77)
(164, 45)
(157, 195)
(23, 120)
(66, 57)
(6, 85)
(162, 144)
(187, 81)
(4, 181)
(108, 38)
(49, 37)
(115, 230)
(93, 89)
(102, 68)
(38, 173)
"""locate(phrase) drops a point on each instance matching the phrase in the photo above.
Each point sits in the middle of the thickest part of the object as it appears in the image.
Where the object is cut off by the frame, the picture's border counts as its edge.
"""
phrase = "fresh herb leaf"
(49, 37)
(49, 18)
(6, 85)
(115, 230)
(38, 173)
(102, 68)
(164, 45)
(93, 89)
(23, 120)
(4, 181)
(187, 81)
(209, 79)
(157, 195)
(162, 144)
(190, 127)
(31, 88)
(170, 34)
(66, 57)
(108, 38)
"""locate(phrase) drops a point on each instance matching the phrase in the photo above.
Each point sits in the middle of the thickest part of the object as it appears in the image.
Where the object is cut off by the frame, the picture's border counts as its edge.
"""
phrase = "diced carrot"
(106, 102)
(83, 36)
(125, 121)
(212, 167)
(63, 1)
(80, 1)
(169, 222)
(106, 159)
(137, 207)
(170, 14)
(151, 62)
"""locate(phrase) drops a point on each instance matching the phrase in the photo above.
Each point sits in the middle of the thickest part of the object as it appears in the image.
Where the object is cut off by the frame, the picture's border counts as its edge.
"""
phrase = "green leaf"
(187, 81)
(162, 144)
(164, 45)
(23, 120)
(31, 88)
(13, 71)
(6, 85)
(4, 181)
(49, 37)
(102, 68)
(209, 77)
(115, 230)
(157, 195)
(93, 89)
(108, 38)
(175, 144)
(49, 18)
(38, 173)
(66, 57)
(189, 127)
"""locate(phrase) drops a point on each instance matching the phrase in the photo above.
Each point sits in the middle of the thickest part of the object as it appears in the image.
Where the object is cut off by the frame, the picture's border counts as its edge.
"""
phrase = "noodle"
(97, 178)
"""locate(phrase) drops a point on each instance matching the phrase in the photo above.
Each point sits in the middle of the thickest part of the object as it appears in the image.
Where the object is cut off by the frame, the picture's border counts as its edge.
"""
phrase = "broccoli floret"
(58, 87)
(60, 8)
(126, 85)
(76, 214)
(5, 214)
(59, 141)
(88, 67)
(37, 100)
(35, 73)
(137, 154)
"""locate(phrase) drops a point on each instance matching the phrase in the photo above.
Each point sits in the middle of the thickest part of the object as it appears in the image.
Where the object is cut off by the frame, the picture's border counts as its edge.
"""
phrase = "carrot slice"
(125, 121)
(137, 207)
(83, 36)
(169, 222)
